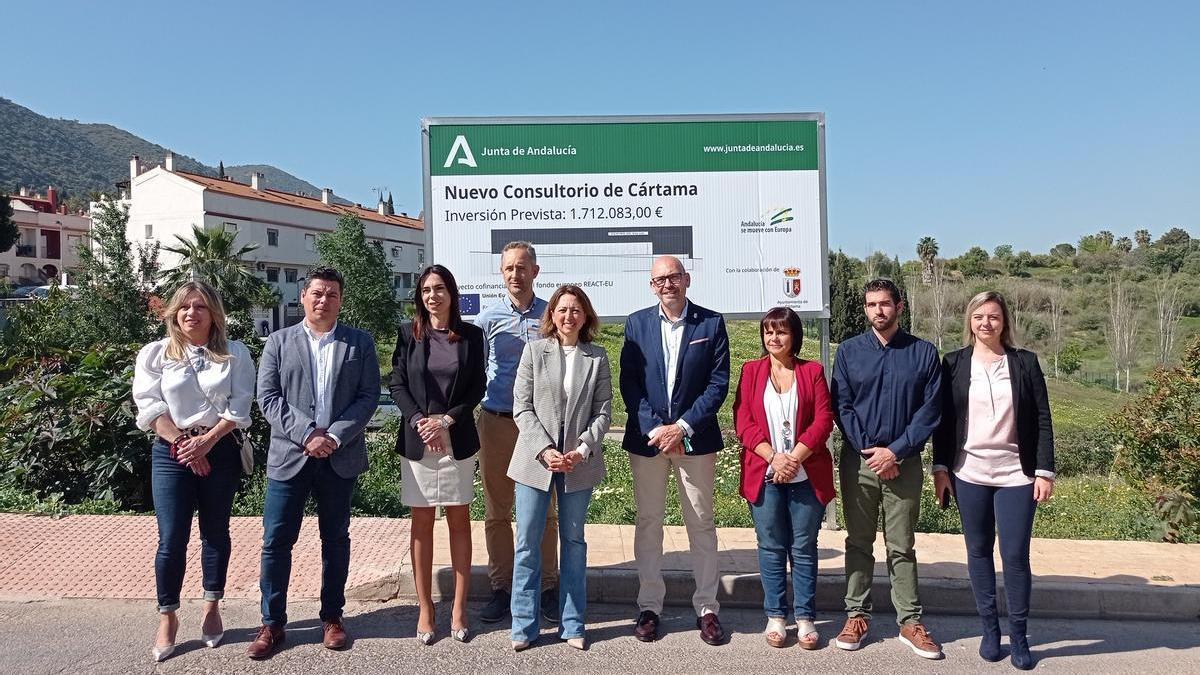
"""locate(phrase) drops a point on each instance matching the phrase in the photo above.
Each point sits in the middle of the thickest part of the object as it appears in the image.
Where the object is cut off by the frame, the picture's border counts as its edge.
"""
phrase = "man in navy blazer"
(318, 385)
(674, 378)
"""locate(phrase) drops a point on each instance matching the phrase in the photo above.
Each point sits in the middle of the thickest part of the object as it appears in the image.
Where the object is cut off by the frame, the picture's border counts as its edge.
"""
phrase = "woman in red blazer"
(783, 420)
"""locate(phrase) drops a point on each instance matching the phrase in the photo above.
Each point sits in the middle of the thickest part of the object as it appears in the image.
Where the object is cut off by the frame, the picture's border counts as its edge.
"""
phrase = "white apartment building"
(165, 203)
(47, 247)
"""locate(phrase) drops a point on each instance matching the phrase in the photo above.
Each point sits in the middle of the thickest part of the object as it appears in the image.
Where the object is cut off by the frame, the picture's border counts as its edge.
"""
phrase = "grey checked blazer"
(286, 394)
(539, 414)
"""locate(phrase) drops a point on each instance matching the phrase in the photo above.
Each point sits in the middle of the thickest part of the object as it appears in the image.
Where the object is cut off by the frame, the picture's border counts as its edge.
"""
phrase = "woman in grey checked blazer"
(562, 404)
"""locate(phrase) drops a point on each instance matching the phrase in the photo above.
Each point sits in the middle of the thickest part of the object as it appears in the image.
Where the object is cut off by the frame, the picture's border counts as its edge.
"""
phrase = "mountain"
(37, 151)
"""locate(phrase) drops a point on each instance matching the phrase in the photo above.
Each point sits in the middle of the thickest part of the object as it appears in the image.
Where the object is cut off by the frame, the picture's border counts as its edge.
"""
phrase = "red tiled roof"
(236, 189)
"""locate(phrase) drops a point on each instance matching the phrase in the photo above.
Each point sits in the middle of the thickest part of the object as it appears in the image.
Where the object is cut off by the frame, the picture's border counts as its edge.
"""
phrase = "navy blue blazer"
(702, 379)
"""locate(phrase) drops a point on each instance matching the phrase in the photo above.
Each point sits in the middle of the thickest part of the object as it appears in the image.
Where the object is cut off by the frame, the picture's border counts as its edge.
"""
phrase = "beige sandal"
(776, 631)
(807, 635)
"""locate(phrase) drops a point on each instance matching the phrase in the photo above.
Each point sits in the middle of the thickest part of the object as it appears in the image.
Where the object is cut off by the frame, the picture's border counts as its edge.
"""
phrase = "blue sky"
(985, 122)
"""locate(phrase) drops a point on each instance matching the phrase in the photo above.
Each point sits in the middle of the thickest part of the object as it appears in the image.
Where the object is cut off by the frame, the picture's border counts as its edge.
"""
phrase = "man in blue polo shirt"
(886, 395)
(508, 325)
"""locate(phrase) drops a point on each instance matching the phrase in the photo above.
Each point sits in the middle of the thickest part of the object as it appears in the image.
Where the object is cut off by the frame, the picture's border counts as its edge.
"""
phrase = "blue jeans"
(984, 511)
(178, 493)
(786, 520)
(283, 513)
(532, 505)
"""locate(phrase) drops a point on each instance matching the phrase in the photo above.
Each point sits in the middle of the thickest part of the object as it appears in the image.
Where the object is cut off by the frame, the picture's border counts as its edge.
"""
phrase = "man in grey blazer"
(318, 385)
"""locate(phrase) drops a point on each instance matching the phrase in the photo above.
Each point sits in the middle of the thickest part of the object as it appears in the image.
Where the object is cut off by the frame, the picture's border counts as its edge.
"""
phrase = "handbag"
(242, 438)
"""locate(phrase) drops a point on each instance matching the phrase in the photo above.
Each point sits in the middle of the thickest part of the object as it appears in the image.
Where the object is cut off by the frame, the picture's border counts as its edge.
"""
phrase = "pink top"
(990, 456)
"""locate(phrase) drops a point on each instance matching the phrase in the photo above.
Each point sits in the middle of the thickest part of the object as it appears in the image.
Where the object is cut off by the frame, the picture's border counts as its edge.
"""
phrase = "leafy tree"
(1003, 252)
(368, 301)
(1070, 359)
(214, 257)
(1176, 236)
(221, 169)
(973, 263)
(1123, 244)
(1096, 243)
(1142, 237)
(898, 276)
(9, 233)
(1018, 265)
(927, 250)
(1063, 251)
(845, 301)
(111, 306)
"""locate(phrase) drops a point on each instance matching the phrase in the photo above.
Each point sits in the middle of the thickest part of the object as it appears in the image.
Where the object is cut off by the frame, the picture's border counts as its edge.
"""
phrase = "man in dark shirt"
(885, 391)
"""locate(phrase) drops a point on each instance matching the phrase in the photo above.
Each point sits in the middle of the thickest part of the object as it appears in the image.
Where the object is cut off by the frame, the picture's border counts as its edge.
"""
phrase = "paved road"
(114, 636)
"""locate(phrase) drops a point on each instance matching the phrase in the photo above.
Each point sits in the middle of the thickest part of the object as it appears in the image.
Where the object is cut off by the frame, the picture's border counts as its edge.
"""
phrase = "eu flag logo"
(468, 304)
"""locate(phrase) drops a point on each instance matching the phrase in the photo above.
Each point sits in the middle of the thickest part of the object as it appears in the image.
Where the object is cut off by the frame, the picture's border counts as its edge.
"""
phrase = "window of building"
(273, 275)
(398, 281)
(396, 251)
(310, 242)
(272, 237)
(231, 227)
(3, 270)
(289, 275)
(149, 231)
(420, 256)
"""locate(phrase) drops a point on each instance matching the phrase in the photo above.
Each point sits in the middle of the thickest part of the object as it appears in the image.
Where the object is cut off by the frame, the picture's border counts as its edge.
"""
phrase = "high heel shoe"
(461, 634)
(162, 653)
(425, 639)
(211, 641)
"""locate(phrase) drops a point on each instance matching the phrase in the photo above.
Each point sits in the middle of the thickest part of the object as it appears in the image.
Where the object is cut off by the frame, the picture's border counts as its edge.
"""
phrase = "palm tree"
(213, 256)
(927, 250)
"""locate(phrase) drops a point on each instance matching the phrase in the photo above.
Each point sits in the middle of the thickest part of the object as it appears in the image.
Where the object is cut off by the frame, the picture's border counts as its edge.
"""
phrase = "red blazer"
(814, 423)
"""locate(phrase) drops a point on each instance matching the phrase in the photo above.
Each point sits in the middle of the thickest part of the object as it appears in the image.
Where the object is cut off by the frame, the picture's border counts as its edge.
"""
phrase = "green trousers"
(863, 496)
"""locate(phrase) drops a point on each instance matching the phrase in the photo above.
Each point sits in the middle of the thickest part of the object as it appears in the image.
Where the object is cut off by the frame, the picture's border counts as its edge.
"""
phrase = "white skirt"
(437, 480)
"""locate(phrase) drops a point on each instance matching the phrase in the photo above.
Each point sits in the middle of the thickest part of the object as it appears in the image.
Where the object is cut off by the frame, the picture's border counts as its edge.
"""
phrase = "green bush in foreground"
(1159, 442)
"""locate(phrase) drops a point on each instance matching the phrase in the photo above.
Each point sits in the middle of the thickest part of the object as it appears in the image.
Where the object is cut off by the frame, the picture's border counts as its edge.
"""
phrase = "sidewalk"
(113, 557)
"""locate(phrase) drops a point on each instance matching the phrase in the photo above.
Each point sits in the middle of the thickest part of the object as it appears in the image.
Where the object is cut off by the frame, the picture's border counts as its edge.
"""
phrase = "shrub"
(1084, 451)
(67, 428)
(1159, 435)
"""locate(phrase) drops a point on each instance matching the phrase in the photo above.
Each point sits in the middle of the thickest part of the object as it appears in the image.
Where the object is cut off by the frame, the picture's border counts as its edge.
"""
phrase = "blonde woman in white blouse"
(994, 453)
(192, 389)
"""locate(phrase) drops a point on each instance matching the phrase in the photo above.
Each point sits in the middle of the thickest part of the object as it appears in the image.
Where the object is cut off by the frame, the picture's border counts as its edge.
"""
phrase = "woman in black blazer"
(994, 452)
(439, 374)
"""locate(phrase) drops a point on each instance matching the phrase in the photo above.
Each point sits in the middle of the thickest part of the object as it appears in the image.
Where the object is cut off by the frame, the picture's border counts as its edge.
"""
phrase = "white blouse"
(990, 454)
(162, 385)
(570, 354)
(781, 420)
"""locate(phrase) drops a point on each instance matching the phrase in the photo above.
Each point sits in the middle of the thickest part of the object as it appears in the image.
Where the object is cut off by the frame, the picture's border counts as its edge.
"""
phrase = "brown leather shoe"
(851, 637)
(710, 629)
(647, 626)
(918, 639)
(335, 634)
(266, 642)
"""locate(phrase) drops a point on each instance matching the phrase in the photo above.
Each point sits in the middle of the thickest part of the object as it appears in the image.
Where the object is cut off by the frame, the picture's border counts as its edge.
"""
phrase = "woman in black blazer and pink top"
(994, 452)
(439, 373)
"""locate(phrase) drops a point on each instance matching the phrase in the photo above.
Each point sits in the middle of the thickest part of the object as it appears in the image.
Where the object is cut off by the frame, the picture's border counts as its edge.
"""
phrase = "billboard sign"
(739, 199)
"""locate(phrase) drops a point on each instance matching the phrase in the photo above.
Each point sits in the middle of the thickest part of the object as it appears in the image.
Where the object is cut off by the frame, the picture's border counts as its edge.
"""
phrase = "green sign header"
(614, 147)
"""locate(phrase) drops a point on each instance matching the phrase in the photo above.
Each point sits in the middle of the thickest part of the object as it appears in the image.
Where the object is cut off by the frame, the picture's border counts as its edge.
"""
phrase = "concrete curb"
(1051, 599)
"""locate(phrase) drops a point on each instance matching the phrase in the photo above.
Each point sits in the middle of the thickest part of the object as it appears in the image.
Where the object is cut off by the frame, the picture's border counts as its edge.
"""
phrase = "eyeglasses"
(673, 279)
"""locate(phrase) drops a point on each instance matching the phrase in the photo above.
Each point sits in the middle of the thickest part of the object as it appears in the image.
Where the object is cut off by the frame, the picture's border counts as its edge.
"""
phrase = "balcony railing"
(26, 250)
